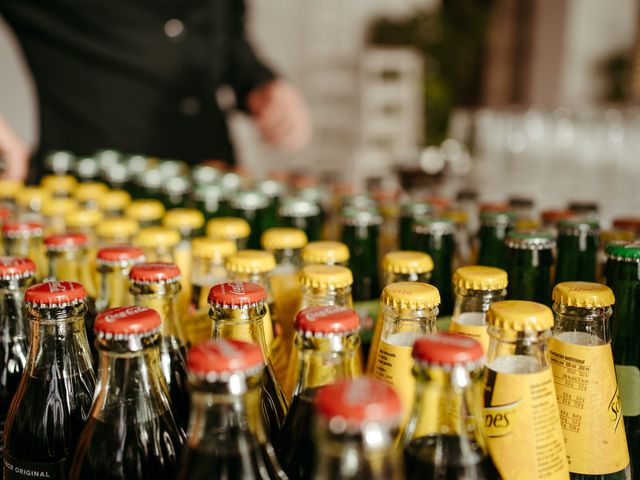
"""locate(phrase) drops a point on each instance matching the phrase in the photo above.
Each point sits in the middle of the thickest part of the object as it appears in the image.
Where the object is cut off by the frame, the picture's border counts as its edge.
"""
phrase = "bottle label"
(522, 424)
(368, 313)
(589, 403)
(471, 324)
(629, 383)
(393, 365)
(375, 342)
(15, 469)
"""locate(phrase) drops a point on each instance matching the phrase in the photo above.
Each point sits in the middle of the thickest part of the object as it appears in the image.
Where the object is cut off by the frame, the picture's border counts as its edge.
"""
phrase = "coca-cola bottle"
(54, 397)
(226, 433)
(114, 264)
(131, 433)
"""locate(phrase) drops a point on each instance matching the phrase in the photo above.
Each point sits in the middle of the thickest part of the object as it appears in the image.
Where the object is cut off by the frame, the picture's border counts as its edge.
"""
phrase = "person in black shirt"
(145, 76)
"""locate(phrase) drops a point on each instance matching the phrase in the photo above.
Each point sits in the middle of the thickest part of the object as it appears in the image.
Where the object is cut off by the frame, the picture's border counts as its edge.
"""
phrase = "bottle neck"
(159, 254)
(163, 298)
(403, 326)
(476, 301)
(530, 274)
(205, 273)
(581, 326)
(13, 322)
(511, 351)
(71, 266)
(624, 280)
(390, 277)
(32, 248)
(363, 262)
(244, 324)
(288, 260)
(114, 287)
(312, 297)
(261, 278)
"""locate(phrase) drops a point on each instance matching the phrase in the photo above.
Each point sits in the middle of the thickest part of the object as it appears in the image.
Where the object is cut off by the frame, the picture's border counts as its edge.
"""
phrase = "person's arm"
(14, 152)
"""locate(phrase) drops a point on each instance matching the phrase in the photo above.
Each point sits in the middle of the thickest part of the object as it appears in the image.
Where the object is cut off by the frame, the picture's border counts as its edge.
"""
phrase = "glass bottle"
(591, 415)
(147, 212)
(207, 198)
(131, 432)
(325, 252)
(444, 438)
(356, 428)
(410, 213)
(54, 213)
(328, 347)
(230, 228)
(302, 214)
(275, 191)
(494, 228)
(60, 186)
(148, 184)
(85, 221)
(9, 192)
(87, 169)
(227, 436)
(529, 265)
(53, 400)
(59, 162)
(114, 231)
(114, 203)
(24, 239)
(158, 243)
(586, 209)
(88, 194)
(114, 264)
(476, 288)
(136, 165)
(29, 201)
(253, 207)
(522, 419)
(174, 191)
(410, 311)
(237, 311)
(577, 251)
(156, 286)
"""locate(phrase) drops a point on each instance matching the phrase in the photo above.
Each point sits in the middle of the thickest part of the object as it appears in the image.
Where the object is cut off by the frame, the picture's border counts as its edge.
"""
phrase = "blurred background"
(508, 97)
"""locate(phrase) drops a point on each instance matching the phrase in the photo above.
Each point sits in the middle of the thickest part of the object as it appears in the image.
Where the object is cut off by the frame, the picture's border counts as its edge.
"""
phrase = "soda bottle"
(29, 203)
(444, 438)
(87, 169)
(356, 426)
(147, 212)
(237, 311)
(53, 400)
(60, 186)
(495, 226)
(410, 311)
(529, 264)
(581, 355)
(328, 346)
(577, 251)
(114, 265)
(436, 237)
(86, 221)
(226, 433)
(521, 414)
(476, 289)
(253, 207)
(24, 239)
(462, 236)
(156, 286)
(325, 253)
(302, 214)
(174, 190)
(59, 162)
(88, 194)
(275, 191)
(158, 243)
(131, 432)
(54, 213)
(114, 203)
(623, 277)
(522, 207)
(230, 228)
(114, 231)
(410, 213)
(148, 184)
(206, 173)
(400, 266)
(629, 225)
(207, 198)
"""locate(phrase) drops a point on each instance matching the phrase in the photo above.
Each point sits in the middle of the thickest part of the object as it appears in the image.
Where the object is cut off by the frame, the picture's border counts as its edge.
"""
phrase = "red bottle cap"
(158, 272)
(120, 322)
(22, 229)
(65, 241)
(447, 349)
(55, 294)
(16, 267)
(358, 401)
(237, 294)
(554, 215)
(631, 223)
(120, 254)
(5, 214)
(213, 358)
(327, 319)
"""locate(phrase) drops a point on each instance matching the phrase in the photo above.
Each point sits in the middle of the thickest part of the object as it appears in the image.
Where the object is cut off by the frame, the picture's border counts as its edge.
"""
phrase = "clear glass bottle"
(325, 253)
(53, 400)
(54, 213)
(24, 239)
(131, 432)
(86, 221)
(328, 347)
(147, 212)
(9, 191)
(230, 228)
(158, 243)
(116, 231)
(114, 265)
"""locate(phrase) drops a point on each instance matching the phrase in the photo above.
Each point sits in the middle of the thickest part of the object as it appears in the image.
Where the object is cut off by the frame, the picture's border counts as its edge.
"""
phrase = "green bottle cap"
(623, 251)
(434, 226)
(578, 226)
(531, 240)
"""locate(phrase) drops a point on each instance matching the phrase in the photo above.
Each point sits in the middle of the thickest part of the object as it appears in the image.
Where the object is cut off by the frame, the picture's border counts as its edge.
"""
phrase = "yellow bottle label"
(375, 342)
(589, 402)
(471, 324)
(522, 424)
(393, 365)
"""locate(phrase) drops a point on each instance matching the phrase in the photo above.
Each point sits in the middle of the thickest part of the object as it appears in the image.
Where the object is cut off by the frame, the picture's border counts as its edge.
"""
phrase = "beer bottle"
(174, 191)
(325, 253)
(116, 176)
(156, 286)
(24, 239)
(252, 206)
(444, 437)
(494, 229)
(328, 346)
(522, 420)
(53, 400)
(87, 169)
(54, 213)
(59, 162)
(303, 214)
(88, 194)
(114, 264)
(551, 218)
(29, 202)
(148, 213)
(147, 185)
(207, 198)
(136, 165)
(114, 203)
(436, 237)
(237, 311)
(410, 311)
(158, 243)
(229, 228)
(522, 207)
(476, 289)
(529, 264)
(577, 251)
(116, 231)
(463, 253)
(356, 427)
(226, 433)
(581, 355)
(205, 174)
(60, 186)
(275, 191)
(623, 276)
(410, 213)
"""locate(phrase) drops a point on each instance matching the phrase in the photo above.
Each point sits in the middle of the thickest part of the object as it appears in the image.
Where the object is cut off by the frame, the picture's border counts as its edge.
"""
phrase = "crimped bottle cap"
(55, 294)
(114, 200)
(90, 191)
(299, 208)
(22, 229)
(145, 210)
(158, 272)
(183, 219)
(326, 252)
(434, 226)
(583, 294)
(122, 322)
(59, 183)
(211, 249)
(155, 237)
(59, 206)
(120, 255)
(237, 294)
(32, 197)
(530, 240)
(251, 261)
(326, 276)
(496, 218)
(625, 252)
(283, 238)
(228, 228)
(520, 315)
(65, 241)
(447, 350)
(324, 320)
(478, 277)
(631, 223)
(553, 216)
(407, 261)
(215, 360)
(411, 295)
(83, 218)
(249, 200)
(117, 227)
(16, 267)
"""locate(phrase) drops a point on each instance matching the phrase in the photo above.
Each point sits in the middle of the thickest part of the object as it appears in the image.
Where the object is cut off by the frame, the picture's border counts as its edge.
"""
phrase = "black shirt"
(139, 76)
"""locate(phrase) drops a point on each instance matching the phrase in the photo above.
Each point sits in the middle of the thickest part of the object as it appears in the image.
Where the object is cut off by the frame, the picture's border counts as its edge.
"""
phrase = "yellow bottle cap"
(583, 294)
(114, 200)
(117, 227)
(145, 210)
(212, 249)
(155, 237)
(478, 277)
(59, 183)
(458, 216)
(326, 276)
(90, 191)
(83, 218)
(228, 228)
(325, 252)
(411, 295)
(283, 238)
(251, 261)
(183, 219)
(59, 207)
(524, 224)
(608, 236)
(33, 197)
(407, 261)
(10, 189)
(520, 315)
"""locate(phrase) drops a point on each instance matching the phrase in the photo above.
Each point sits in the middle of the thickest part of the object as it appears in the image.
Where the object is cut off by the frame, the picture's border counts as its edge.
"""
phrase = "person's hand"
(281, 115)
(14, 153)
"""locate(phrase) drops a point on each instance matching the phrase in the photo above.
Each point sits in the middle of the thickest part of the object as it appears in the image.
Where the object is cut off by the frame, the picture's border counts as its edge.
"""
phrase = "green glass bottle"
(148, 185)
(175, 191)
(578, 241)
(410, 212)
(60, 162)
(529, 264)
(205, 175)
(494, 228)
(275, 192)
(252, 206)
(206, 198)
(303, 214)
(87, 169)
(136, 166)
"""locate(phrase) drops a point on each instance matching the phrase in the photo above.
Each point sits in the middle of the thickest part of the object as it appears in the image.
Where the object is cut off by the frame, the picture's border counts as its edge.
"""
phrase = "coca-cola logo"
(57, 287)
(323, 312)
(236, 288)
(128, 311)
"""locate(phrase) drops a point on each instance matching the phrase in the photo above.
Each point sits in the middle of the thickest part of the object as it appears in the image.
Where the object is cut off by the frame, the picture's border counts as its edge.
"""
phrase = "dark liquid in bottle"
(447, 457)
(13, 358)
(295, 446)
(89, 321)
(273, 405)
(144, 450)
(174, 370)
